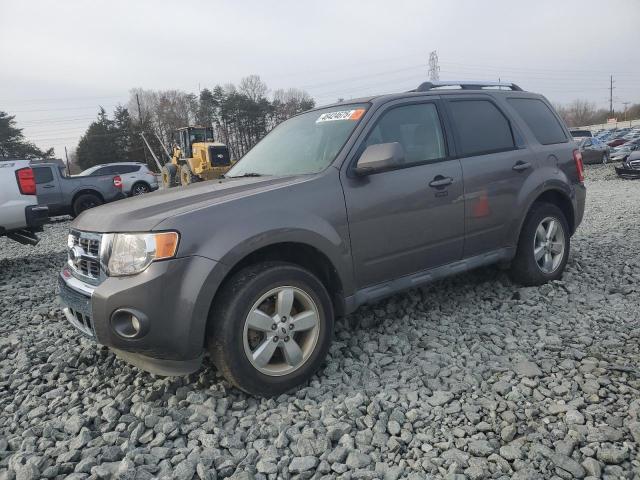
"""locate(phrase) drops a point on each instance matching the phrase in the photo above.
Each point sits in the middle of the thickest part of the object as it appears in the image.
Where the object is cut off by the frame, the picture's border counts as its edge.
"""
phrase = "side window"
(540, 119)
(481, 127)
(100, 171)
(416, 127)
(128, 168)
(43, 175)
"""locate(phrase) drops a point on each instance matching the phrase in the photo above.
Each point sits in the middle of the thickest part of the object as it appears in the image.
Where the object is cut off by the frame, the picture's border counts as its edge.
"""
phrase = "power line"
(63, 108)
(56, 99)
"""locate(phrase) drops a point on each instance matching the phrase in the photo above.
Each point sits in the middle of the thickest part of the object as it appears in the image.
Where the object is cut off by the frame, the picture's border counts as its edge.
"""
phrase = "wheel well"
(82, 192)
(138, 182)
(561, 201)
(303, 255)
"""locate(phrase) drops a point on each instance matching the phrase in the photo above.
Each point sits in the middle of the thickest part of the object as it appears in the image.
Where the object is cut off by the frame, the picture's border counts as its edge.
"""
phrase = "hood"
(143, 213)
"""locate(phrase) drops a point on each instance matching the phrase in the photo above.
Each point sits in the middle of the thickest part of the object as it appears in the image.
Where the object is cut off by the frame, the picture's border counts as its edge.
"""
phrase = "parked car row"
(607, 145)
(32, 191)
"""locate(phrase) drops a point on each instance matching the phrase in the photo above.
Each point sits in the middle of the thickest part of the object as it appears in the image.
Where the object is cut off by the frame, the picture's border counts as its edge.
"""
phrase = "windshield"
(304, 144)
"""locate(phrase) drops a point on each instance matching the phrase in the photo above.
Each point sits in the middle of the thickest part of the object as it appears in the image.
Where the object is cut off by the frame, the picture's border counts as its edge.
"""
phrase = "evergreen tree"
(14, 145)
(98, 145)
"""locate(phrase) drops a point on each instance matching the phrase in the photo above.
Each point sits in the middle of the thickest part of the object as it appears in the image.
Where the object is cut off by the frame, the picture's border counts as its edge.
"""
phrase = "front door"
(411, 218)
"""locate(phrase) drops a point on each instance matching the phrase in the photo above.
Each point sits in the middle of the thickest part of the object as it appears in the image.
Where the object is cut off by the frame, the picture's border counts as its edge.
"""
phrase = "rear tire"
(541, 256)
(84, 202)
(140, 188)
(242, 342)
(187, 177)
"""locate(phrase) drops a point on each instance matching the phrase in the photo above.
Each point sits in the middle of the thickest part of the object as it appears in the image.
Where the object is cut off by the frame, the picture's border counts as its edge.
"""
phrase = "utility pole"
(611, 96)
(139, 110)
(67, 157)
(146, 159)
(434, 68)
(625, 109)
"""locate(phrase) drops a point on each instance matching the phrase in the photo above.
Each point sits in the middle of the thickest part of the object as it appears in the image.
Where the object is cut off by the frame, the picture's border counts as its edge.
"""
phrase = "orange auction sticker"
(341, 115)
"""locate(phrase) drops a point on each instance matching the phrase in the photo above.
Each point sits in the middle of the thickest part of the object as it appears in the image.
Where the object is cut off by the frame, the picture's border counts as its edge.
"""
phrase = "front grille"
(634, 163)
(82, 322)
(77, 308)
(84, 255)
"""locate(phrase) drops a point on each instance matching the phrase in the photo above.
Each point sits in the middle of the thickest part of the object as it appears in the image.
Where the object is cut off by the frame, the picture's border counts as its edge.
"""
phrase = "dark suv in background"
(336, 207)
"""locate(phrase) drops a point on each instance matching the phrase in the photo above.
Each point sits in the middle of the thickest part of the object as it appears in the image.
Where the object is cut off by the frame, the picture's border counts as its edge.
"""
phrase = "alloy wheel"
(140, 190)
(281, 331)
(549, 245)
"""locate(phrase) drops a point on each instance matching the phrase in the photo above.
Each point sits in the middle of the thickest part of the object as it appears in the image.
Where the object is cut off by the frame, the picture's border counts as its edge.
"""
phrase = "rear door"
(47, 187)
(411, 218)
(495, 164)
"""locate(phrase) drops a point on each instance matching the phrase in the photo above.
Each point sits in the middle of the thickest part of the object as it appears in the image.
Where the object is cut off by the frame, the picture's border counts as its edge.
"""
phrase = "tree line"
(240, 116)
(581, 113)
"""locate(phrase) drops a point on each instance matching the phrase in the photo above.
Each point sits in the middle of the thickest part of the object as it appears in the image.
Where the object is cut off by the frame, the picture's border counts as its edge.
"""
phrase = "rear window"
(541, 120)
(481, 128)
(43, 175)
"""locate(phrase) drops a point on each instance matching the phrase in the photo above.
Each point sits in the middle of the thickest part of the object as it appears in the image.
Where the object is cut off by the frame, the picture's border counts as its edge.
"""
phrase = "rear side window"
(43, 175)
(102, 171)
(127, 169)
(415, 127)
(481, 127)
(541, 120)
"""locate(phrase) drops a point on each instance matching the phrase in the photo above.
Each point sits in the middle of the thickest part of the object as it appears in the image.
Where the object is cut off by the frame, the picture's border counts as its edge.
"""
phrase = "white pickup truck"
(20, 214)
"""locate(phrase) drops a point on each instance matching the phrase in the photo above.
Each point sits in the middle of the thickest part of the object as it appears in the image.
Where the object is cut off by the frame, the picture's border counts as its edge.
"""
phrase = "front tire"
(270, 328)
(543, 247)
(169, 175)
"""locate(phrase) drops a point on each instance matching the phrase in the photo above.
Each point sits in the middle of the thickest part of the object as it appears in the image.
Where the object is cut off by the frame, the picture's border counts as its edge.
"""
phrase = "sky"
(61, 60)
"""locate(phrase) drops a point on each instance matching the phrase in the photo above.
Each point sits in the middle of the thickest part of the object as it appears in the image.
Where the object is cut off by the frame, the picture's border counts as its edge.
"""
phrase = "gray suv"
(335, 208)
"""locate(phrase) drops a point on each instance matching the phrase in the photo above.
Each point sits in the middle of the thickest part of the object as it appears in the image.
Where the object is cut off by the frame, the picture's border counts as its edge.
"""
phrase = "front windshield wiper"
(248, 174)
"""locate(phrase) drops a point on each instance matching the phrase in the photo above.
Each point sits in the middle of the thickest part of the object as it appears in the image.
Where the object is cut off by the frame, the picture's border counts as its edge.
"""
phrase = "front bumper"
(174, 295)
(626, 172)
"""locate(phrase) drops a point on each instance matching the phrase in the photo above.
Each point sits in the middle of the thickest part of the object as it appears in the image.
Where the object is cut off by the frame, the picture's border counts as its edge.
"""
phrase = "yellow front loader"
(195, 157)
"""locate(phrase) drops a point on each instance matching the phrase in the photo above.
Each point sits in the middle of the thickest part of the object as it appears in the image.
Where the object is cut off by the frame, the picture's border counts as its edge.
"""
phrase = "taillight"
(26, 181)
(577, 157)
(117, 182)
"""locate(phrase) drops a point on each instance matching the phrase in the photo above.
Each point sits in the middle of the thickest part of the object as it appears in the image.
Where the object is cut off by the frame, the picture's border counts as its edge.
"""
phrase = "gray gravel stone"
(470, 377)
(302, 464)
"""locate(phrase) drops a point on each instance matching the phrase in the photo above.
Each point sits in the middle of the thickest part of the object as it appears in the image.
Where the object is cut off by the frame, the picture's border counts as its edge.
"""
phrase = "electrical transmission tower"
(434, 68)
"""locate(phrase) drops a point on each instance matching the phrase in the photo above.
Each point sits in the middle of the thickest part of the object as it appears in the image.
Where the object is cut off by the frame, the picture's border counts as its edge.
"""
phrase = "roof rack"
(465, 85)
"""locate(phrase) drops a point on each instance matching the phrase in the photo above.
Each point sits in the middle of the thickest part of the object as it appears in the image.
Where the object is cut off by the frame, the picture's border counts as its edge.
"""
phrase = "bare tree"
(253, 87)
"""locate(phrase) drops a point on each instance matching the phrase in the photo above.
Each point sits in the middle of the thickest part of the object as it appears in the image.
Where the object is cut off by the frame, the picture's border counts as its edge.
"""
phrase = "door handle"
(48, 186)
(440, 181)
(520, 166)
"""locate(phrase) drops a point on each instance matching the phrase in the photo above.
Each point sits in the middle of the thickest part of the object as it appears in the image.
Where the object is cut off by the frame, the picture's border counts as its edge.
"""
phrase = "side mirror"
(383, 156)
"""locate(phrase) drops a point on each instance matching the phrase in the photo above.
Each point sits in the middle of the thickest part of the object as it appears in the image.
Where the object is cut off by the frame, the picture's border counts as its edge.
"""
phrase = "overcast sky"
(59, 60)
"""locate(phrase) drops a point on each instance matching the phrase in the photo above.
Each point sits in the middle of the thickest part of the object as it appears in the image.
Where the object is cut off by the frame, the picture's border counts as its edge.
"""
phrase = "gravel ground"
(472, 377)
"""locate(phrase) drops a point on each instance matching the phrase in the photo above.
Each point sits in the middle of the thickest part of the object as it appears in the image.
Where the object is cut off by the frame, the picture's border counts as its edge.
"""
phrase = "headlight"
(132, 253)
